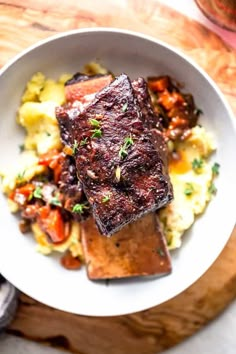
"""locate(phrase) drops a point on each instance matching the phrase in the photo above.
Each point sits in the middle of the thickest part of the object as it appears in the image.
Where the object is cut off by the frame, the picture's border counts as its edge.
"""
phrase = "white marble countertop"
(218, 337)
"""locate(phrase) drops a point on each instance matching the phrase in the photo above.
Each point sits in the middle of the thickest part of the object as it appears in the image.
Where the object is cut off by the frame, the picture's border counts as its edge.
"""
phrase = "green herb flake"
(30, 197)
(198, 111)
(197, 165)
(123, 152)
(75, 147)
(106, 198)
(94, 122)
(160, 252)
(124, 107)
(37, 193)
(79, 208)
(55, 201)
(48, 134)
(212, 189)
(21, 147)
(215, 169)
(128, 141)
(97, 133)
(84, 142)
(20, 175)
(188, 189)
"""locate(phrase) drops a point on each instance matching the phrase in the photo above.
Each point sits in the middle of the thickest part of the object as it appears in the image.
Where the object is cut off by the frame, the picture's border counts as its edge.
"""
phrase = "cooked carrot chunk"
(51, 222)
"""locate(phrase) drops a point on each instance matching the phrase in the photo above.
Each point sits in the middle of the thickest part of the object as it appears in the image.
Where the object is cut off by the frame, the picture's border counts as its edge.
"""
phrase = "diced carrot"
(68, 150)
(67, 229)
(178, 98)
(54, 160)
(168, 100)
(165, 99)
(70, 262)
(78, 91)
(47, 158)
(26, 190)
(177, 122)
(51, 222)
(44, 211)
(21, 194)
(158, 85)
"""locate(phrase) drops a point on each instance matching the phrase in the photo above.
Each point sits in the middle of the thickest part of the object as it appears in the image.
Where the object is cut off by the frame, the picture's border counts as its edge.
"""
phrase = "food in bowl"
(147, 139)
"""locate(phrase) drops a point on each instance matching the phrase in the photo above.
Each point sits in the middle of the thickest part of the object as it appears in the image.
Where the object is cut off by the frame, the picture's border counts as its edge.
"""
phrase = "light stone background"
(219, 337)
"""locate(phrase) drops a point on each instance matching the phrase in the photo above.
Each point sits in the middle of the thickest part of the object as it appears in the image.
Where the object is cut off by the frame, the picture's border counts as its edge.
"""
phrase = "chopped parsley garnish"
(128, 141)
(197, 165)
(160, 252)
(75, 146)
(212, 189)
(188, 189)
(37, 193)
(55, 201)
(83, 142)
(21, 175)
(94, 122)
(215, 169)
(21, 147)
(79, 208)
(124, 107)
(30, 197)
(123, 152)
(106, 198)
(97, 133)
(48, 134)
(198, 111)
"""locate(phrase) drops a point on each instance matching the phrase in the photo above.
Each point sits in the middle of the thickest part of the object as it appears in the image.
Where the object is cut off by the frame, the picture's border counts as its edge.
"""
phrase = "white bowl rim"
(188, 60)
(128, 32)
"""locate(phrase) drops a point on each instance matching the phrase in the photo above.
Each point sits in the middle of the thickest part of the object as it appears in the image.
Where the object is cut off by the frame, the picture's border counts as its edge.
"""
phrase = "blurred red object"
(221, 12)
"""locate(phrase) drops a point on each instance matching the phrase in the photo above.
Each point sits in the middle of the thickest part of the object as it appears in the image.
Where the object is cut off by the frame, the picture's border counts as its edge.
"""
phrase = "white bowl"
(42, 277)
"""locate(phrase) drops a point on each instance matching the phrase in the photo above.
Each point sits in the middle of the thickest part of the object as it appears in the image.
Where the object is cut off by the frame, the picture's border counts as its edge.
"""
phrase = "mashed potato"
(25, 168)
(38, 118)
(37, 112)
(37, 115)
(191, 173)
(191, 176)
(72, 243)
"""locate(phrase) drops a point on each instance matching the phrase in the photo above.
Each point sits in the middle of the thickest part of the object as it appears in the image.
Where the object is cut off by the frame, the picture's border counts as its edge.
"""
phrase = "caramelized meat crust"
(118, 162)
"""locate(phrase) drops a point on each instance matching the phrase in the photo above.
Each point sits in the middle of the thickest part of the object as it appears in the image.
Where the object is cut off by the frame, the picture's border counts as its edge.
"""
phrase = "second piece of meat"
(139, 249)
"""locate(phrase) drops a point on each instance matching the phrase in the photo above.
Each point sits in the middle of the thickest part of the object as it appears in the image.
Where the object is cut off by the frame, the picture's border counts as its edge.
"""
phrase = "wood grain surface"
(22, 23)
(146, 332)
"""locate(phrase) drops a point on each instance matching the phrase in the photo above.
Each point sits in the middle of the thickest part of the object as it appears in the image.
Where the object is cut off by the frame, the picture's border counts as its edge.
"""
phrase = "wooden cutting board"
(23, 22)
